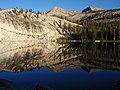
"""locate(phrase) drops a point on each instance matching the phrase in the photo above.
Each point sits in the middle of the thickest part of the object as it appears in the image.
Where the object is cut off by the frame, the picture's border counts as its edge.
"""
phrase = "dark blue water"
(72, 79)
(76, 66)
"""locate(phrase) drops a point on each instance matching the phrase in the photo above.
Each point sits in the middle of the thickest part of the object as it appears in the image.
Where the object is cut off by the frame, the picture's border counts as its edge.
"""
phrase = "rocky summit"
(90, 9)
(58, 11)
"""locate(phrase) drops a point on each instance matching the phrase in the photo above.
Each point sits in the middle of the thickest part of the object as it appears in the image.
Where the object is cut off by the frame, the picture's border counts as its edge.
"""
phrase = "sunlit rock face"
(58, 11)
(16, 26)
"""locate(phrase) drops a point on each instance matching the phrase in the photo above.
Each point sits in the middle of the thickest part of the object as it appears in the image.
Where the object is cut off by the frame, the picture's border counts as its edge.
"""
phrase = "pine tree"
(26, 11)
(38, 14)
(30, 10)
(21, 11)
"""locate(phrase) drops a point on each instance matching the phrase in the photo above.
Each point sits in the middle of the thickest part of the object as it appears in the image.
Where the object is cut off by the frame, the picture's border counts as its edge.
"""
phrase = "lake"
(50, 66)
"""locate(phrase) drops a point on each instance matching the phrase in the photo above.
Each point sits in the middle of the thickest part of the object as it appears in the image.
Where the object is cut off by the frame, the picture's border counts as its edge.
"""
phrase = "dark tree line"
(94, 30)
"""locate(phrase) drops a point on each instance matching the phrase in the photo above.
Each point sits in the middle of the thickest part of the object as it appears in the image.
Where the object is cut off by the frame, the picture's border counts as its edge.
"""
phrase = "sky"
(43, 5)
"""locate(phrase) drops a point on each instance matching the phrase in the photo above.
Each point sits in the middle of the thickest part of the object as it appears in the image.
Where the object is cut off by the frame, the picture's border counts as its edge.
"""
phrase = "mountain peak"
(91, 8)
(56, 7)
(55, 10)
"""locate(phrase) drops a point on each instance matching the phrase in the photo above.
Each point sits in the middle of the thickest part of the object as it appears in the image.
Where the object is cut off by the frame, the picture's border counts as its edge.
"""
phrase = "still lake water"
(73, 66)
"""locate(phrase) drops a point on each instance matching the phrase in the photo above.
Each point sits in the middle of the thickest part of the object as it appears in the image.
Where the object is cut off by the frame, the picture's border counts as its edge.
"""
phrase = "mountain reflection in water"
(60, 67)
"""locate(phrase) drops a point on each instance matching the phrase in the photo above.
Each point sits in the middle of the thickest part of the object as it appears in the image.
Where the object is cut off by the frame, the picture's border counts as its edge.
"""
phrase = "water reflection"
(88, 56)
(8, 85)
(36, 66)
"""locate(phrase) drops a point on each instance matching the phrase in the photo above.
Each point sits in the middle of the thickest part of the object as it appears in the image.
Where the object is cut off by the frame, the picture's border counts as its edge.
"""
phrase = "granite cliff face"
(27, 26)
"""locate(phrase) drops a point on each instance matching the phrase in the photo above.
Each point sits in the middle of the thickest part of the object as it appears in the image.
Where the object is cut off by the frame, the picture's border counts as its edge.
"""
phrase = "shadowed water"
(50, 66)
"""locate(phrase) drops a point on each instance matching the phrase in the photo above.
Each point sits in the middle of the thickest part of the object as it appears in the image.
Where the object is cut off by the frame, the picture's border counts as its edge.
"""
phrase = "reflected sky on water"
(73, 66)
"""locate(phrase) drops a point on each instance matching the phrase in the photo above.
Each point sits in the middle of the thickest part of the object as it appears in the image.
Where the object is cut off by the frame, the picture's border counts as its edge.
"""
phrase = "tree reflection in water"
(90, 57)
